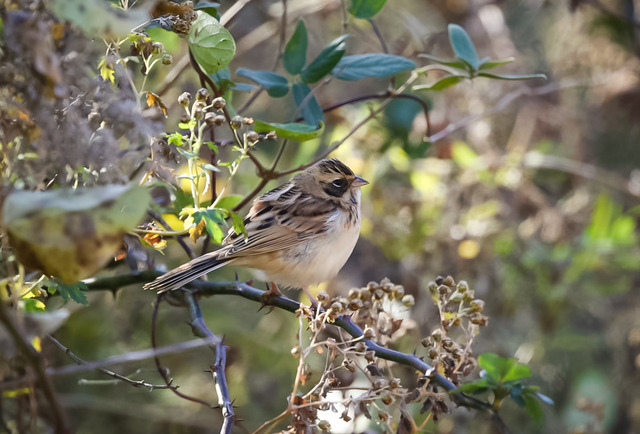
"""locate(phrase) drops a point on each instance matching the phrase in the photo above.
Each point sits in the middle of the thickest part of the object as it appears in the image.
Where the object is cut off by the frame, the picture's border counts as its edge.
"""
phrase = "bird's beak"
(359, 182)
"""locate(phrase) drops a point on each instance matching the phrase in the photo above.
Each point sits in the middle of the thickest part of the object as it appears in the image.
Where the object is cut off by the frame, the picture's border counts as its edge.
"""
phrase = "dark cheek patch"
(334, 191)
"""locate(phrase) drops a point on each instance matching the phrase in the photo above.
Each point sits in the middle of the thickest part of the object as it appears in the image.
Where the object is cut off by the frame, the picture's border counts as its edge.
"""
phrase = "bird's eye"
(339, 183)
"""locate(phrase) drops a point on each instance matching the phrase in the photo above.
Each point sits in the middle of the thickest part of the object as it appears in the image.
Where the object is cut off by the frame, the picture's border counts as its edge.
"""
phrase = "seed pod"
(439, 280)
(379, 383)
(295, 351)
(360, 347)
(324, 426)
(433, 353)
(425, 342)
(369, 333)
(443, 290)
(218, 103)
(322, 296)
(253, 137)
(184, 99)
(386, 399)
(236, 122)
(438, 335)
(383, 416)
(462, 286)
(364, 295)
(157, 48)
(219, 120)
(398, 292)
(202, 94)
(167, 59)
(355, 305)
(209, 118)
(378, 294)
(477, 305)
(370, 356)
(337, 307)
(448, 344)
(408, 300)
(456, 298)
(449, 281)
(349, 365)
(353, 293)
(247, 121)
(386, 286)
(372, 286)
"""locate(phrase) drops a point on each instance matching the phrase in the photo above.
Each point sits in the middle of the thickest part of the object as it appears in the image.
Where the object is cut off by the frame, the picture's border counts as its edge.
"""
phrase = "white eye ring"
(339, 183)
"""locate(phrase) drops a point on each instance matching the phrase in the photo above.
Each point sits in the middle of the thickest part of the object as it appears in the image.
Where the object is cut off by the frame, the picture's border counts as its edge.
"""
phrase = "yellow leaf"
(36, 343)
(16, 392)
(468, 249)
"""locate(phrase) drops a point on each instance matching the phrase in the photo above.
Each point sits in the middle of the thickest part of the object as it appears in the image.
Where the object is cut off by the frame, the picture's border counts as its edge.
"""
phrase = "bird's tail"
(185, 273)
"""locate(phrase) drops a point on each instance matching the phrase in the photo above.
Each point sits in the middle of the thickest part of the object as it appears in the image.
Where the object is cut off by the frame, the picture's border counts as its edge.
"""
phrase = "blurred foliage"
(528, 190)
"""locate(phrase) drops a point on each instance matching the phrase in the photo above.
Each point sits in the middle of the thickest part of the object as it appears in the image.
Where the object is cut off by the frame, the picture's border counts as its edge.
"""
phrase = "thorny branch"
(247, 291)
(118, 377)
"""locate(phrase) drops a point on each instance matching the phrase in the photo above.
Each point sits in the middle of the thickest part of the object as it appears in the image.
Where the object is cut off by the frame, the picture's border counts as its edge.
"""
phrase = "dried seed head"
(247, 121)
(322, 296)
(439, 280)
(95, 119)
(449, 281)
(398, 292)
(408, 300)
(443, 290)
(387, 399)
(372, 286)
(360, 347)
(456, 298)
(295, 351)
(433, 288)
(433, 353)
(167, 59)
(337, 307)
(462, 286)
(379, 383)
(209, 118)
(345, 415)
(184, 99)
(355, 305)
(394, 383)
(369, 333)
(157, 48)
(218, 103)
(479, 319)
(202, 94)
(438, 335)
(448, 344)
(382, 416)
(353, 293)
(198, 114)
(364, 295)
(236, 122)
(386, 285)
(252, 136)
(219, 120)
(370, 356)
(425, 342)
(324, 426)
(349, 365)
(477, 305)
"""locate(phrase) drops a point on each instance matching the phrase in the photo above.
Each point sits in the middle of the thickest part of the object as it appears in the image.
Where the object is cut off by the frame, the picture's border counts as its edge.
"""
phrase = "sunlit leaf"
(295, 53)
(441, 84)
(511, 77)
(325, 62)
(463, 46)
(366, 8)
(238, 225)
(209, 7)
(371, 65)
(311, 111)
(293, 131)
(212, 45)
(229, 201)
(490, 64)
(213, 220)
(72, 233)
(276, 85)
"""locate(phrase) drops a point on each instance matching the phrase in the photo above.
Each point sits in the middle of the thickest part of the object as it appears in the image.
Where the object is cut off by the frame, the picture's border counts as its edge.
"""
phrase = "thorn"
(237, 280)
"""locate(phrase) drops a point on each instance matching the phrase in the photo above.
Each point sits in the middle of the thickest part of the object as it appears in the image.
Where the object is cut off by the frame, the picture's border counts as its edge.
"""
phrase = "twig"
(163, 371)
(376, 30)
(118, 377)
(218, 368)
(36, 362)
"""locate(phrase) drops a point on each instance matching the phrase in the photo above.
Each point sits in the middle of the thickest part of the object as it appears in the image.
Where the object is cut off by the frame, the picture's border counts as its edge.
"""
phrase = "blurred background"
(528, 190)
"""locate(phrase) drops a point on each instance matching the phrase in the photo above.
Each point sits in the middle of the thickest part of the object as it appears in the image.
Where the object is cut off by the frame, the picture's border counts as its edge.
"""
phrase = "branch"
(247, 291)
(118, 377)
(218, 368)
(35, 360)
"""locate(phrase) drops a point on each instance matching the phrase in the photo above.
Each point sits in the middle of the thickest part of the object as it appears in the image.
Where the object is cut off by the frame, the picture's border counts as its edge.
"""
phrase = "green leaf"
(212, 45)
(463, 46)
(366, 8)
(33, 305)
(73, 291)
(325, 62)
(175, 139)
(534, 409)
(209, 7)
(371, 65)
(447, 62)
(517, 396)
(295, 53)
(495, 367)
(238, 225)
(474, 387)
(229, 202)
(511, 77)
(293, 131)
(311, 111)
(517, 371)
(213, 219)
(490, 64)
(276, 85)
(441, 84)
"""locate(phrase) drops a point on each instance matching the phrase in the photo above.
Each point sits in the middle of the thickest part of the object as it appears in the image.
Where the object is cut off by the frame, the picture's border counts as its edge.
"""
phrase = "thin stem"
(35, 361)
(376, 30)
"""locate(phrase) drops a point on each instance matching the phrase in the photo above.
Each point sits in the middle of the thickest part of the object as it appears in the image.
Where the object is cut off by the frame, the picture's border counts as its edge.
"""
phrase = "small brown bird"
(299, 234)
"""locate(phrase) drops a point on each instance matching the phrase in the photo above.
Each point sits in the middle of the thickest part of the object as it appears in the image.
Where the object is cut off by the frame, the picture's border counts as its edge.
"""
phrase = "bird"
(298, 234)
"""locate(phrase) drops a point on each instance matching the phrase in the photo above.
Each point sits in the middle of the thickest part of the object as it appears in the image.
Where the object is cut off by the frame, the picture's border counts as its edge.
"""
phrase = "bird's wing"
(279, 220)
